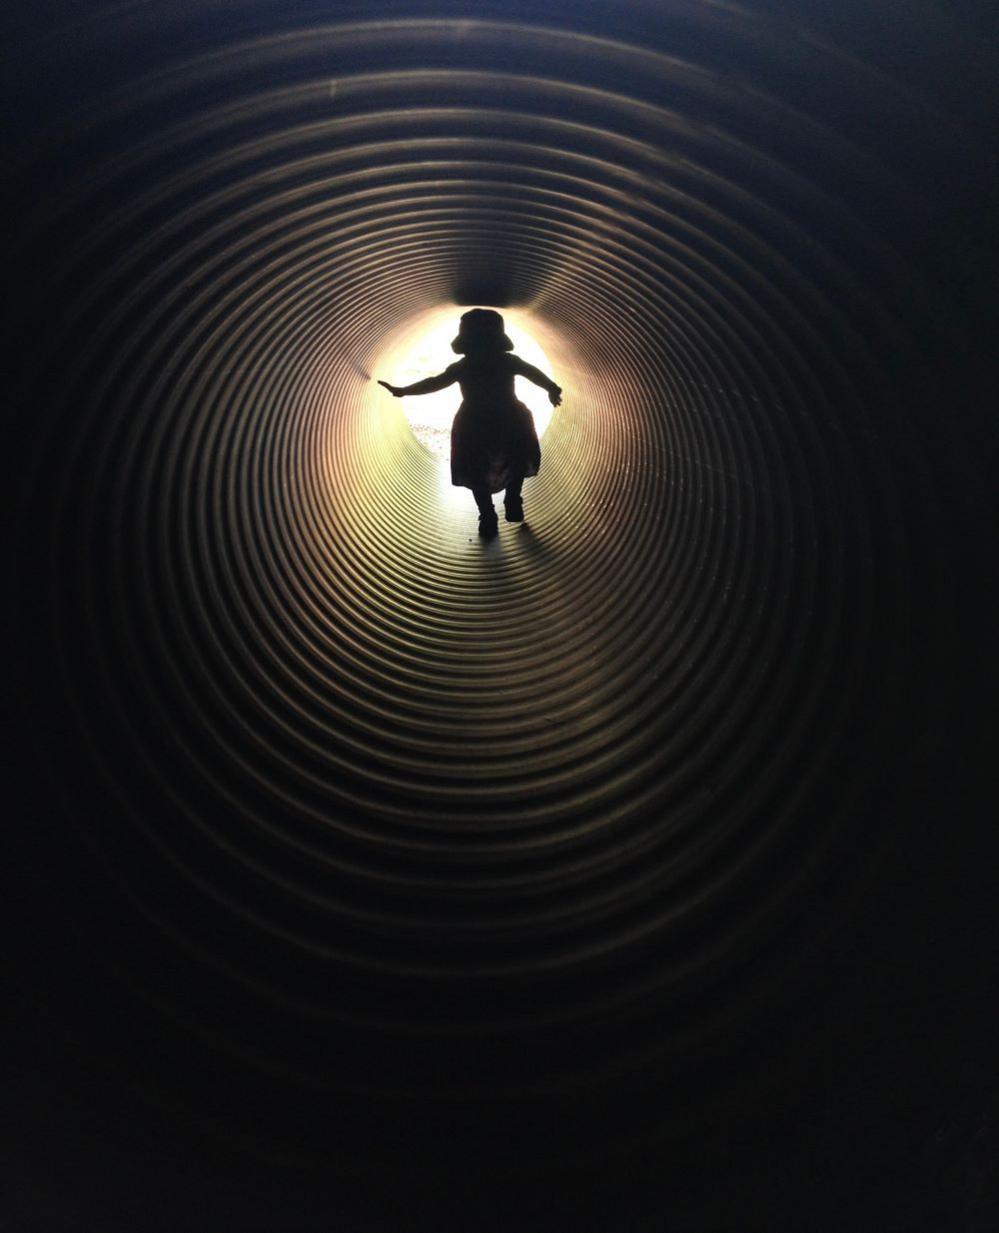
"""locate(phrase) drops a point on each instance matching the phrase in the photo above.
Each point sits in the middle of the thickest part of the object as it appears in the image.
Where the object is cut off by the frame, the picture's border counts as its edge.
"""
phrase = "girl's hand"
(392, 389)
(555, 397)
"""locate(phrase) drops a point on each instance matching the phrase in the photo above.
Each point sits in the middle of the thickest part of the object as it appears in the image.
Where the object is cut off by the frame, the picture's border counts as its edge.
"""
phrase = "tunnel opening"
(423, 348)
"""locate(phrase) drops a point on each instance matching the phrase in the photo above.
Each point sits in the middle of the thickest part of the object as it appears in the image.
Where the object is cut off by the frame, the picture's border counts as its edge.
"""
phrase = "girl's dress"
(493, 440)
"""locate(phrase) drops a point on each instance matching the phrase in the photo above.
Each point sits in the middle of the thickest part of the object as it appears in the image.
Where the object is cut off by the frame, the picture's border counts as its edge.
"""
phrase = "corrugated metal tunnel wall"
(626, 838)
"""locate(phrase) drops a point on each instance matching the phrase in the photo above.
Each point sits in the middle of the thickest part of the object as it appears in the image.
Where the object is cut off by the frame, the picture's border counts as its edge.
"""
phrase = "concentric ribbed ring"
(618, 778)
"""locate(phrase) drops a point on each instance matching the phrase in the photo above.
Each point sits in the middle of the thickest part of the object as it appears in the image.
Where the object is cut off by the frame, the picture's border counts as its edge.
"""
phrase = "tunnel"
(631, 870)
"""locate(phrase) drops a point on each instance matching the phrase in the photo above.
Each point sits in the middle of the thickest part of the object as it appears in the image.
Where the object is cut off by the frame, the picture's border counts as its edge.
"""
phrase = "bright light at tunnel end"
(423, 348)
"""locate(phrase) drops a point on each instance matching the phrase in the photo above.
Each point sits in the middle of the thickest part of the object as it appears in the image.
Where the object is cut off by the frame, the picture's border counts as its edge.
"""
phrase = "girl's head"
(481, 329)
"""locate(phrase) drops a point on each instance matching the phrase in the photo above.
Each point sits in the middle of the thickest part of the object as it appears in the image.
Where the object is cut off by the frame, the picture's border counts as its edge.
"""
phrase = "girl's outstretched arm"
(523, 369)
(429, 385)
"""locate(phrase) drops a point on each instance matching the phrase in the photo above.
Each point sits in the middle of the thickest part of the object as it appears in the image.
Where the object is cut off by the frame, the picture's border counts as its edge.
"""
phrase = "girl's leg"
(487, 514)
(512, 501)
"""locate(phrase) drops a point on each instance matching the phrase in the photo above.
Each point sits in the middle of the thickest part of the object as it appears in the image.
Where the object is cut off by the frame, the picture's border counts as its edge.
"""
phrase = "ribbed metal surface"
(393, 810)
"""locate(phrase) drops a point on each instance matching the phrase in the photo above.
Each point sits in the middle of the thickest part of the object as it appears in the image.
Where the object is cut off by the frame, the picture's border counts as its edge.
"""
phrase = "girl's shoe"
(514, 507)
(488, 524)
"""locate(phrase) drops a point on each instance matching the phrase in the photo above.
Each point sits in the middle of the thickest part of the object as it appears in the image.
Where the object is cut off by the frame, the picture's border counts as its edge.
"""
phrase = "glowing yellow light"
(429, 352)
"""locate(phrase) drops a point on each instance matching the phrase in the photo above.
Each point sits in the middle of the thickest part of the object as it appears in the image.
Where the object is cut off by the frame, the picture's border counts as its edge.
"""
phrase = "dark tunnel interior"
(632, 871)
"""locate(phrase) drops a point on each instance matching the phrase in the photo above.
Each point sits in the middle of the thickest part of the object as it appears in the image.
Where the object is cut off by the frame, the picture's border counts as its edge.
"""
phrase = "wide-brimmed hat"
(481, 329)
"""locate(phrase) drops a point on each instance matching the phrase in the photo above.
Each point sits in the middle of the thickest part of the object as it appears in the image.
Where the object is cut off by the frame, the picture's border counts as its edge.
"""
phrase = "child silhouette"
(494, 444)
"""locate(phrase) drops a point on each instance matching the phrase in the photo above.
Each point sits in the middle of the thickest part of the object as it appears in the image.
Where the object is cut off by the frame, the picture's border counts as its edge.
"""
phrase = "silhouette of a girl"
(493, 441)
